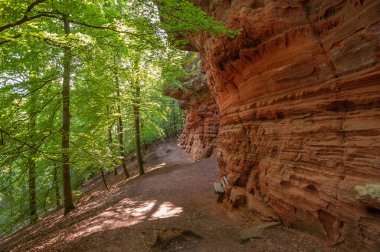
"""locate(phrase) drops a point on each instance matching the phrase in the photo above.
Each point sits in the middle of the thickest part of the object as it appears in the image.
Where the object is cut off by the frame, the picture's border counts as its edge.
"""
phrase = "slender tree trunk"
(32, 192)
(136, 113)
(67, 57)
(56, 188)
(104, 179)
(1, 138)
(110, 140)
(120, 132)
(32, 175)
(121, 144)
(33, 216)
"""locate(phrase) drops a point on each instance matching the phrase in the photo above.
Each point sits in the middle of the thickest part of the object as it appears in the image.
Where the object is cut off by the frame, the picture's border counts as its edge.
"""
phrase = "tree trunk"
(120, 132)
(56, 188)
(31, 163)
(32, 175)
(104, 179)
(136, 113)
(67, 57)
(110, 139)
(2, 142)
(110, 142)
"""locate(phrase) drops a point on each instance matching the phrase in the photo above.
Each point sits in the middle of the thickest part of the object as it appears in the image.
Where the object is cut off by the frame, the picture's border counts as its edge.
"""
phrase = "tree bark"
(104, 179)
(2, 142)
(31, 163)
(120, 132)
(136, 113)
(56, 188)
(67, 57)
(110, 140)
(32, 175)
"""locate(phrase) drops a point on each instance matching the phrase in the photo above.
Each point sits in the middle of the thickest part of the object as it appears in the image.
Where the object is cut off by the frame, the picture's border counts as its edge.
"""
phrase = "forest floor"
(176, 192)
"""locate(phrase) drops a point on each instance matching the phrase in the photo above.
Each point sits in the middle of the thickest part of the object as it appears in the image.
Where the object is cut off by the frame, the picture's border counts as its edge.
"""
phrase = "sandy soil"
(176, 192)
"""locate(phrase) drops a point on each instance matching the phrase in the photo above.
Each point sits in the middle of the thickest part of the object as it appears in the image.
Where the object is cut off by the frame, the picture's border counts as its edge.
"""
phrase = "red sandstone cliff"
(299, 98)
(202, 114)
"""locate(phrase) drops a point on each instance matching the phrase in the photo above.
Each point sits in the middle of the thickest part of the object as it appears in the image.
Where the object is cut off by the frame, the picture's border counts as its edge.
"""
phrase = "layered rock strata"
(299, 98)
(200, 131)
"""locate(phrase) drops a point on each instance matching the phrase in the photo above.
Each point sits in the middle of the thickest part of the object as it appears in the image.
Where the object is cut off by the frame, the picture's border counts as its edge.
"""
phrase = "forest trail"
(176, 192)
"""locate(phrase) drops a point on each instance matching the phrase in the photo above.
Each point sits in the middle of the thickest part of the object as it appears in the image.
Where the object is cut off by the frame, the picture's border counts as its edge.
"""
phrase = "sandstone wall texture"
(202, 114)
(201, 128)
(299, 98)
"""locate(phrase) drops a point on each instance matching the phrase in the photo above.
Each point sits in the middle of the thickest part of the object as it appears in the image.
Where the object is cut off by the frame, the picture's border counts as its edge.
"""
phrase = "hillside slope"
(176, 192)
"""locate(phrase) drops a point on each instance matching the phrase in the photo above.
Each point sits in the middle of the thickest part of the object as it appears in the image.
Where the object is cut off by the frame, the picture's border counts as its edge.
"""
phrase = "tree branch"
(45, 82)
(9, 40)
(31, 146)
(103, 28)
(14, 181)
(25, 18)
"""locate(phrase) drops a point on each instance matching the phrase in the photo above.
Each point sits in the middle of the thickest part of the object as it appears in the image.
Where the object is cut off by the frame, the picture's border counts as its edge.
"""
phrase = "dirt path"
(176, 192)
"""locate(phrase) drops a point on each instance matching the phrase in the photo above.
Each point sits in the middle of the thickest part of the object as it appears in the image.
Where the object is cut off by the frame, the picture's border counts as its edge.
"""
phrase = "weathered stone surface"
(201, 128)
(202, 114)
(237, 196)
(299, 98)
(369, 195)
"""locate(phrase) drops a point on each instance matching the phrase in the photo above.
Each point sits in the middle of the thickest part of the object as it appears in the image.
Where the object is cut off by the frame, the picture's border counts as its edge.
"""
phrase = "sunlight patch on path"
(159, 166)
(126, 213)
(166, 210)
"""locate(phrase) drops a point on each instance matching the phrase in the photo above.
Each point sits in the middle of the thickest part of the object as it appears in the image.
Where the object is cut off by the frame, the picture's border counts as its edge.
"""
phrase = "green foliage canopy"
(115, 44)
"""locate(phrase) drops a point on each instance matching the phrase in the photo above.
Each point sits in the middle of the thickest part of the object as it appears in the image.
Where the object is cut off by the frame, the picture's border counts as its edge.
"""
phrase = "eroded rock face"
(201, 128)
(202, 114)
(299, 98)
